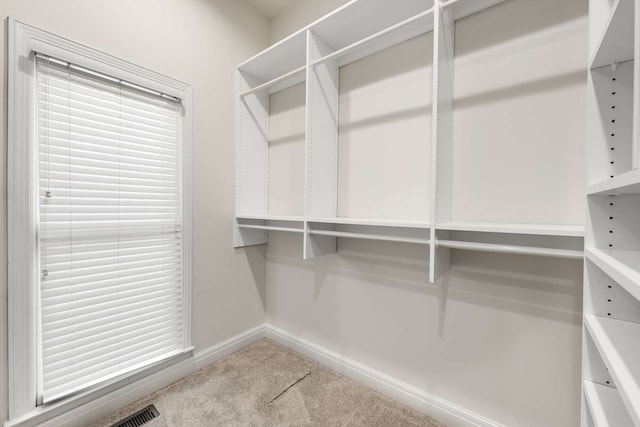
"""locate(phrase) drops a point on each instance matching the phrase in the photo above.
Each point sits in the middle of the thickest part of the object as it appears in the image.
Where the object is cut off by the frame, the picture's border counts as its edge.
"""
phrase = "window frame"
(22, 215)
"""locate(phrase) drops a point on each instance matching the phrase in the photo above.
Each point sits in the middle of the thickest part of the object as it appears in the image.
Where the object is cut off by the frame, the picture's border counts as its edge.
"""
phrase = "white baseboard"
(447, 412)
(84, 413)
(79, 414)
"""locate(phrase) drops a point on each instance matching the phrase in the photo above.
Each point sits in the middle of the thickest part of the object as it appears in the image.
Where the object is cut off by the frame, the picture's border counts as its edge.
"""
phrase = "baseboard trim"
(447, 412)
(78, 415)
(74, 414)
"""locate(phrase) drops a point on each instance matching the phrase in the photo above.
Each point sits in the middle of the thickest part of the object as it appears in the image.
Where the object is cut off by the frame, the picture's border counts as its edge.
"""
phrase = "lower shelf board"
(621, 266)
(267, 217)
(606, 406)
(364, 236)
(512, 228)
(399, 223)
(270, 228)
(618, 342)
(626, 183)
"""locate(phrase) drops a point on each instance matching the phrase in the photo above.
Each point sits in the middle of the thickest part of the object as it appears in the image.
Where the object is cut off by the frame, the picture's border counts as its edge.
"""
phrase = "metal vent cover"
(141, 417)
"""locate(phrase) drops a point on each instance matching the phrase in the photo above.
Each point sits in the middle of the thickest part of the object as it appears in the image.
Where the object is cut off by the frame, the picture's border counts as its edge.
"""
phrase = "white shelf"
(373, 222)
(626, 183)
(616, 43)
(270, 228)
(390, 36)
(618, 342)
(606, 406)
(345, 26)
(278, 60)
(288, 218)
(510, 228)
(622, 266)
(279, 83)
(367, 236)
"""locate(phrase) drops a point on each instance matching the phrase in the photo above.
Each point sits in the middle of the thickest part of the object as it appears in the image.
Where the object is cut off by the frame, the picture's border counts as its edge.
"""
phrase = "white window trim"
(23, 40)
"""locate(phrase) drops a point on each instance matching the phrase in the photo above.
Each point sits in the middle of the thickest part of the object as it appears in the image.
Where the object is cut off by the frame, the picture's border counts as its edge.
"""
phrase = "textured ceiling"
(270, 8)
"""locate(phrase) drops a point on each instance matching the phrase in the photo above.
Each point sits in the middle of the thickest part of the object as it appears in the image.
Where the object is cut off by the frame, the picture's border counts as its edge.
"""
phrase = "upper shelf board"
(282, 82)
(464, 8)
(616, 42)
(351, 23)
(626, 183)
(534, 229)
(390, 36)
(283, 57)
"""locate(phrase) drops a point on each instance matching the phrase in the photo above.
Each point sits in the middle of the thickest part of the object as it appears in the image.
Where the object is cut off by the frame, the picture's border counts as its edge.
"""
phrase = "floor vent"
(139, 418)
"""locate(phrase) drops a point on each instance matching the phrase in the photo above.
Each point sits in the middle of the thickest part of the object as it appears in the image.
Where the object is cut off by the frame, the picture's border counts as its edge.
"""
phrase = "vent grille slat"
(139, 418)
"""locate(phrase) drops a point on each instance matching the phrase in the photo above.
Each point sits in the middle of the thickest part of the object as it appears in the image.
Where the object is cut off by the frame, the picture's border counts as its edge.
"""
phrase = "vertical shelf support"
(252, 159)
(321, 161)
(442, 137)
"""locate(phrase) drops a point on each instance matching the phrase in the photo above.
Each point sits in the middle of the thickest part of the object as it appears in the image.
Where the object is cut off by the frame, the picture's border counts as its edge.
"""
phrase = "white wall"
(199, 42)
(498, 335)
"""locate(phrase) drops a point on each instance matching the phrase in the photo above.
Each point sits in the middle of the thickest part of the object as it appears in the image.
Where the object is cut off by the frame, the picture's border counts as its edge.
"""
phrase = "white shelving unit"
(611, 357)
(318, 56)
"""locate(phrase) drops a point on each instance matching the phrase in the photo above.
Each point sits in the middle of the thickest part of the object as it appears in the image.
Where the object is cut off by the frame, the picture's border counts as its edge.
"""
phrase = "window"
(109, 232)
(99, 218)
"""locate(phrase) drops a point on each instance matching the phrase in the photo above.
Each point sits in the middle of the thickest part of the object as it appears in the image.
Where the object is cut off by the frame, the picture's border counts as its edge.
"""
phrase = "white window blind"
(110, 216)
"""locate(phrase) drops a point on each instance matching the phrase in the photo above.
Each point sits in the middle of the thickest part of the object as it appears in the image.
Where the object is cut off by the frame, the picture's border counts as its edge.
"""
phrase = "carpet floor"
(266, 384)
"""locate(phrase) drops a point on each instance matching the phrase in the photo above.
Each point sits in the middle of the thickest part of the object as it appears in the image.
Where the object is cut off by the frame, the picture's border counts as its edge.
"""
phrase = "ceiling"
(270, 8)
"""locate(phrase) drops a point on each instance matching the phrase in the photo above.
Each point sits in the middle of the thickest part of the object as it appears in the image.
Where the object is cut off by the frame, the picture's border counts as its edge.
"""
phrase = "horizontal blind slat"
(58, 361)
(60, 325)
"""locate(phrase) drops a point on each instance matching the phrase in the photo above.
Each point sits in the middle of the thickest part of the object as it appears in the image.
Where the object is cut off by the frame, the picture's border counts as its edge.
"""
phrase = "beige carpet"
(266, 384)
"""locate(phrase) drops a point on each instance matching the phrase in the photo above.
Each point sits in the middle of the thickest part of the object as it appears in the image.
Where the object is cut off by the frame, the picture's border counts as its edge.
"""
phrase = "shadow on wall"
(256, 256)
(532, 29)
(532, 286)
(533, 87)
(543, 287)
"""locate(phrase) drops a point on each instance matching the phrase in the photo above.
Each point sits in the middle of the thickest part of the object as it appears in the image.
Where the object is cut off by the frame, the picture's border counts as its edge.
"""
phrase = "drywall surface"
(199, 42)
(520, 103)
(384, 132)
(499, 335)
(286, 151)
